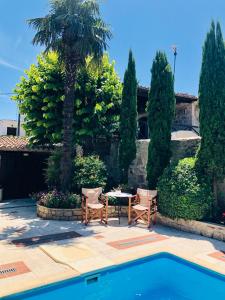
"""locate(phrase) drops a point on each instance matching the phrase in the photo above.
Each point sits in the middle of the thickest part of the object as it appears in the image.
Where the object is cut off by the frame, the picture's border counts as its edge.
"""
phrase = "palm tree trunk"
(68, 118)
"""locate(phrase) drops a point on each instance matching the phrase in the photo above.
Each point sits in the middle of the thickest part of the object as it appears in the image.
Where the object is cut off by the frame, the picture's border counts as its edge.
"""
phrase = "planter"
(74, 214)
(58, 213)
(202, 228)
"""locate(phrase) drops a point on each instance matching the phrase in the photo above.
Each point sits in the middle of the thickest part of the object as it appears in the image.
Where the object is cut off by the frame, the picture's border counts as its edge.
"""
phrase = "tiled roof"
(187, 96)
(180, 97)
(15, 143)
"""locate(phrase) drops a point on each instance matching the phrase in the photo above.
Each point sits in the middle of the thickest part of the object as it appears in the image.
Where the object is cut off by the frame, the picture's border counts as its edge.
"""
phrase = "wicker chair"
(94, 205)
(143, 206)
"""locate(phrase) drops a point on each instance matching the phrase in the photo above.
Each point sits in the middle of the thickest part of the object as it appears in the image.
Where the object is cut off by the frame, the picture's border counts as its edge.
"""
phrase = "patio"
(76, 249)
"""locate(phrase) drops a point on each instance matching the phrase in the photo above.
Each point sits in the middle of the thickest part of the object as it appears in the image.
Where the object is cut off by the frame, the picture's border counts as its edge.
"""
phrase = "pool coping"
(195, 263)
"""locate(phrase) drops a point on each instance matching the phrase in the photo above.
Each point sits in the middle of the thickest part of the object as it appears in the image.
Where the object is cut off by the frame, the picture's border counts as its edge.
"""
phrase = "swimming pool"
(158, 277)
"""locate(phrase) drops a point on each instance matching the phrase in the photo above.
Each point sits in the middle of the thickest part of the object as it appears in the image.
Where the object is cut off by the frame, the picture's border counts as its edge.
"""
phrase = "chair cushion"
(92, 195)
(95, 206)
(140, 207)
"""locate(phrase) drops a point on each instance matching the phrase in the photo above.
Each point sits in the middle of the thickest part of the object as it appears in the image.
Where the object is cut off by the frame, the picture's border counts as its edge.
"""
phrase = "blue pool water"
(157, 277)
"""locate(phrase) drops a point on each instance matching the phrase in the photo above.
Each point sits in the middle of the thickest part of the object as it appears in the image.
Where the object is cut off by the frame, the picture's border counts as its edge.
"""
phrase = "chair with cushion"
(94, 205)
(143, 206)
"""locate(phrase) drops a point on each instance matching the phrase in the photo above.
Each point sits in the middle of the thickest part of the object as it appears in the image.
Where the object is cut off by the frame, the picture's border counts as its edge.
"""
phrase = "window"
(11, 131)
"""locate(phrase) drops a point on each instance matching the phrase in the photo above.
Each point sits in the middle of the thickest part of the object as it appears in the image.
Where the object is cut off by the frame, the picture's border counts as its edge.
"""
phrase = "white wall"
(9, 123)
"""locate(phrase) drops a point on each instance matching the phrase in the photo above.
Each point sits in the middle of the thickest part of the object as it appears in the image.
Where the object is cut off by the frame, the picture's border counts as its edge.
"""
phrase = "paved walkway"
(93, 247)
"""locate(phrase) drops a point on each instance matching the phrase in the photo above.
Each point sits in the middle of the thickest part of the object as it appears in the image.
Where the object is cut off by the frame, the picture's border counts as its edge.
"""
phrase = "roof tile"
(15, 143)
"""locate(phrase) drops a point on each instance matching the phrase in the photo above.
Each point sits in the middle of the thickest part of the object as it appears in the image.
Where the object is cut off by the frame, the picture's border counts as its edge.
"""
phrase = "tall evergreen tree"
(211, 155)
(128, 119)
(161, 107)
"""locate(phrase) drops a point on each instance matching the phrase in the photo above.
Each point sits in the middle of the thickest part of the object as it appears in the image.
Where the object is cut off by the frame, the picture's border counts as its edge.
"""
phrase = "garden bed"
(73, 214)
(202, 228)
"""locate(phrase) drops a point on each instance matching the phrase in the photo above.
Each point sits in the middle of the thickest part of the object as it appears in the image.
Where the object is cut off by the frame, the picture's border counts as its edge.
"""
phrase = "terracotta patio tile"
(99, 236)
(137, 241)
(218, 255)
(13, 269)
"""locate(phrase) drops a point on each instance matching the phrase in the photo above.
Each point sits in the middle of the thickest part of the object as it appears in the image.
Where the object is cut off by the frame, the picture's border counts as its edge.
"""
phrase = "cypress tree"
(128, 120)
(161, 107)
(211, 155)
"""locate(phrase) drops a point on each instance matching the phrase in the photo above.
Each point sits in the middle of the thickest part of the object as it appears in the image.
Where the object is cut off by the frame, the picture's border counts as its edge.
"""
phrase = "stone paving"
(98, 247)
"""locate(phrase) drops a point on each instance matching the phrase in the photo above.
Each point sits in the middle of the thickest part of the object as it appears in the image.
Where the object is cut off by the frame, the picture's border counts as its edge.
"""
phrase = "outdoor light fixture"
(174, 48)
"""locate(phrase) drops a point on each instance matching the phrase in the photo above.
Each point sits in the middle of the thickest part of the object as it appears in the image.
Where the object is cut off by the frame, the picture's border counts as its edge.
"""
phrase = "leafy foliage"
(128, 120)
(161, 107)
(90, 172)
(55, 199)
(211, 155)
(52, 172)
(97, 101)
(72, 27)
(180, 193)
(40, 99)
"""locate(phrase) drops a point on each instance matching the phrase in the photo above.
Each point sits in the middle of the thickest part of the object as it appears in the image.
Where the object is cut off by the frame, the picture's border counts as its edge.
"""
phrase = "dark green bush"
(181, 195)
(52, 172)
(55, 199)
(89, 172)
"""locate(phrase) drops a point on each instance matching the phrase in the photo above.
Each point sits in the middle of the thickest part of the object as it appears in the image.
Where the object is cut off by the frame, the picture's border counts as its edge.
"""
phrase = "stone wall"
(195, 114)
(73, 214)
(184, 144)
(183, 115)
(202, 228)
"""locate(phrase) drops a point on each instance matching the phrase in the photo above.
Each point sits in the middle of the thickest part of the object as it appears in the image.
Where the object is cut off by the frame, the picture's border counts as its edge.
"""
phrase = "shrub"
(181, 195)
(89, 172)
(55, 199)
(52, 172)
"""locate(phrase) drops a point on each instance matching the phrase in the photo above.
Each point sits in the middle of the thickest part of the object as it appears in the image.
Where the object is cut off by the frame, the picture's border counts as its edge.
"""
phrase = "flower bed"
(73, 214)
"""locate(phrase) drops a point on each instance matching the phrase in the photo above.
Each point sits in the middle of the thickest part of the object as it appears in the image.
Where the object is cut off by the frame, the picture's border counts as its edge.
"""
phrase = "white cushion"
(140, 207)
(95, 206)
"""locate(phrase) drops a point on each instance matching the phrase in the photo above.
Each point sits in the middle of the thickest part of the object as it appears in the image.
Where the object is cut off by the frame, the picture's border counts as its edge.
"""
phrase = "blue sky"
(145, 26)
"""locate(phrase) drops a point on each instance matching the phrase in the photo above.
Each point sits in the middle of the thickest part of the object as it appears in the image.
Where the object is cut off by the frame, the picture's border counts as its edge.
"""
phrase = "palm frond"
(75, 26)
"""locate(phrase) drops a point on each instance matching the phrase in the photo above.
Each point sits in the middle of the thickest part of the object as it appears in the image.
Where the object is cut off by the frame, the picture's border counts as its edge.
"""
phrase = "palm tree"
(75, 30)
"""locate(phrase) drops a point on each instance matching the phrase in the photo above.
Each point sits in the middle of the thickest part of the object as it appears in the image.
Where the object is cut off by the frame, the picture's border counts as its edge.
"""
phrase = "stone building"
(186, 115)
(184, 144)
